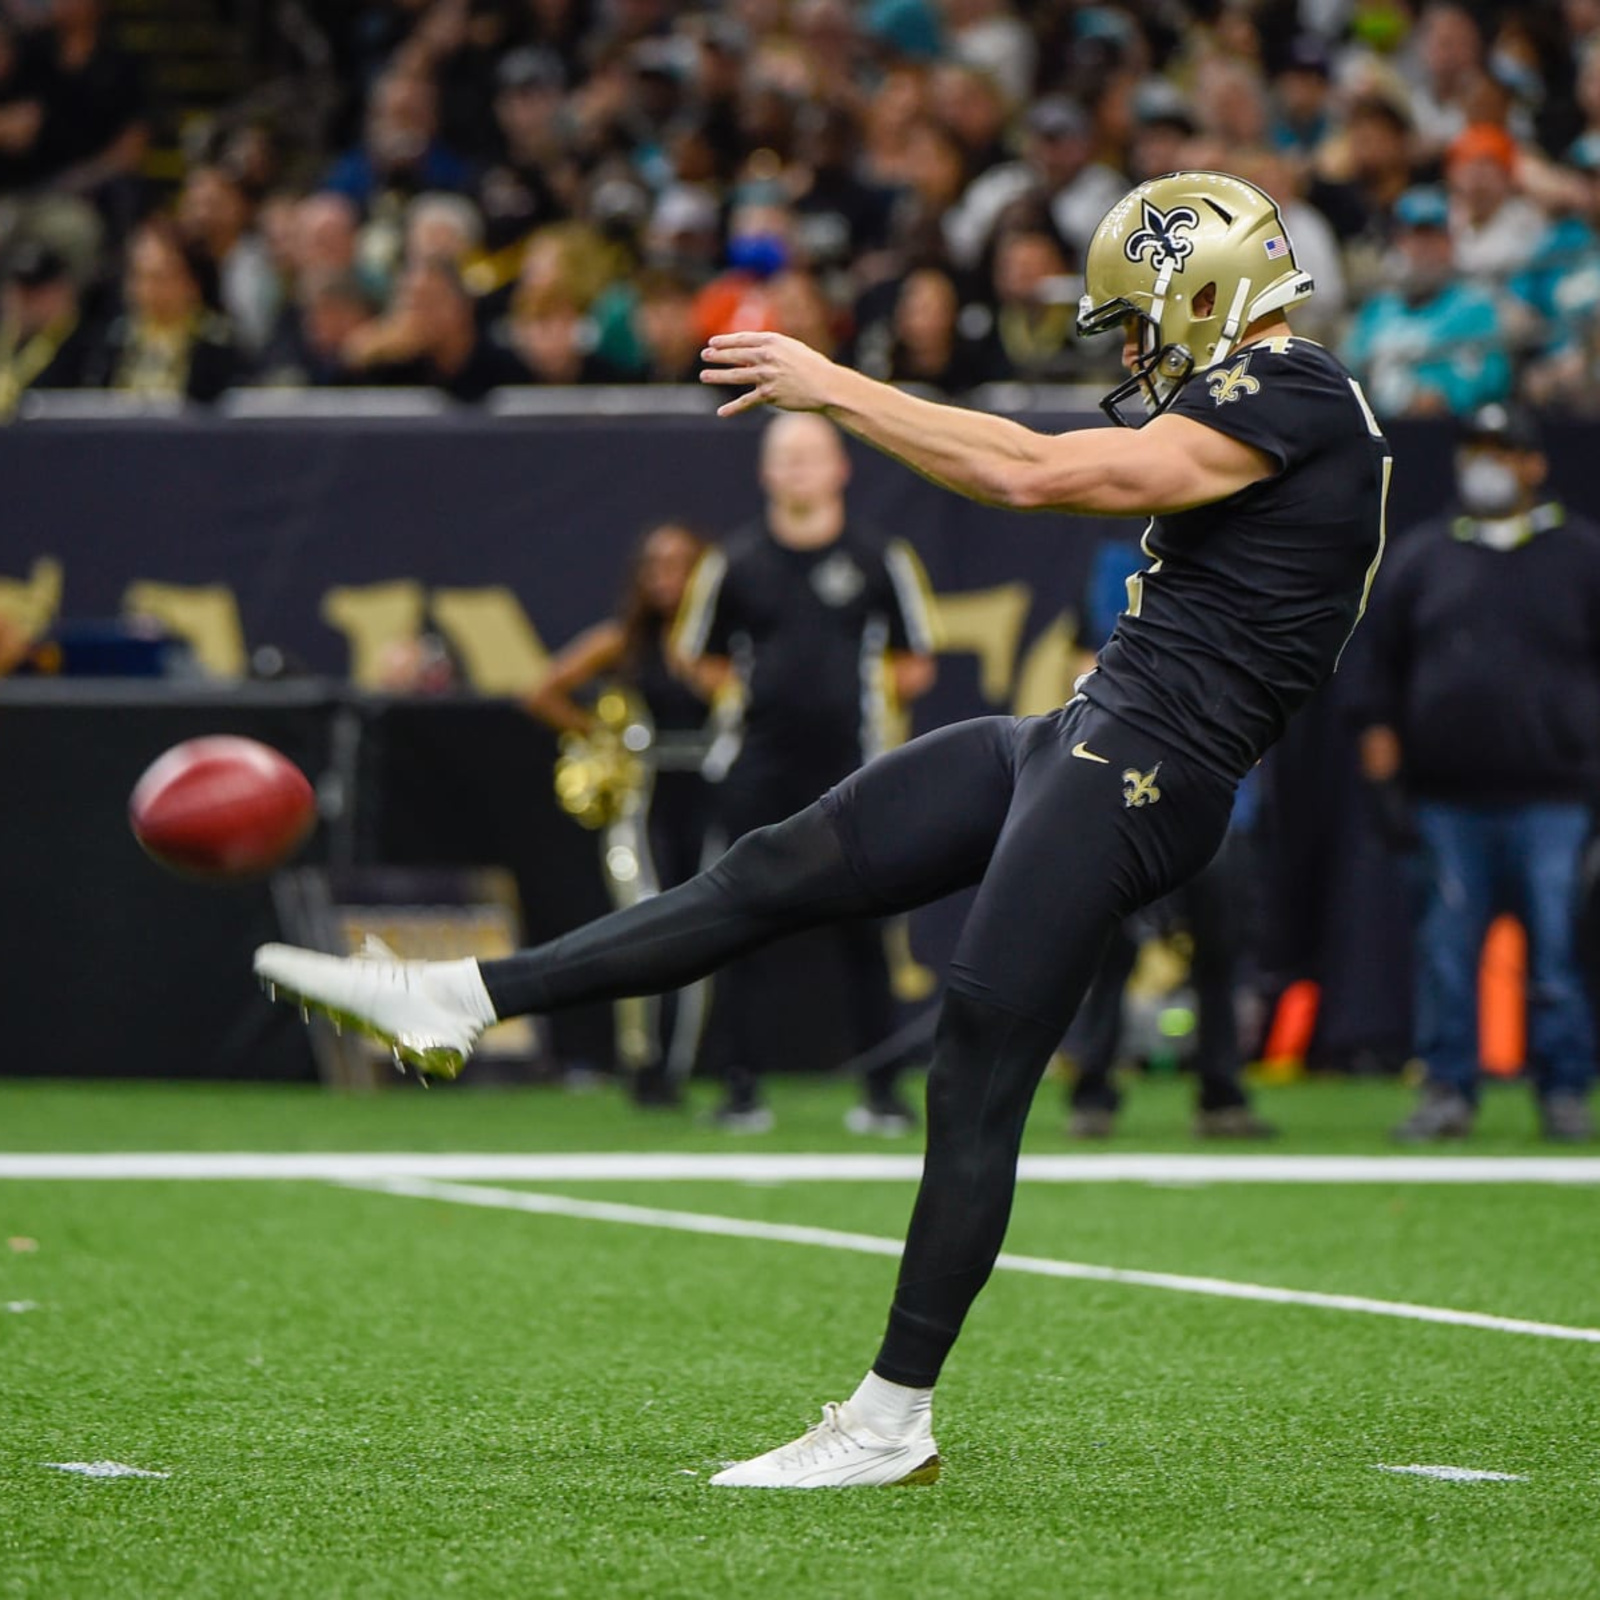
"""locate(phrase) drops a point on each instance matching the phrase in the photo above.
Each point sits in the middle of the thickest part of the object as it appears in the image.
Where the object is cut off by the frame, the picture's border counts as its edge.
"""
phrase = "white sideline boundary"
(556, 1205)
(744, 1167)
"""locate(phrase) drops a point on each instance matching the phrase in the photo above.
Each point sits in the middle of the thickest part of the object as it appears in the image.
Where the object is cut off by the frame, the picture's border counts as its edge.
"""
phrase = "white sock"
(462, 981)
(892, 1410)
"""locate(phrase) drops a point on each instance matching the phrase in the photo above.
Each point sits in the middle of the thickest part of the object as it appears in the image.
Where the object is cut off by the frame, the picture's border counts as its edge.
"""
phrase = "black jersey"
(808, 631)
(1248, 601)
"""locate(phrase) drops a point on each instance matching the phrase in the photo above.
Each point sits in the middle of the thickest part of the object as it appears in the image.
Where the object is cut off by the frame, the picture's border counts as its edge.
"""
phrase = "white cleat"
(410, 1006)
(838, 1453)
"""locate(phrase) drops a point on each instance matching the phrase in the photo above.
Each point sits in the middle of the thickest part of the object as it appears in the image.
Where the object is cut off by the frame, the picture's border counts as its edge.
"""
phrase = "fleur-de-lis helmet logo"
(1164, 236)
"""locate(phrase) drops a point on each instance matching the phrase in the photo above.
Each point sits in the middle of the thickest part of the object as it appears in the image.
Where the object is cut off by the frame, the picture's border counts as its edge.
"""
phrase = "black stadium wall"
(329, 538)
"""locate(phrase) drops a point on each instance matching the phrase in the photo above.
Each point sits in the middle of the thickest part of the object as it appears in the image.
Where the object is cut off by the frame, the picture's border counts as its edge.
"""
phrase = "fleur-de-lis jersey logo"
(1139, 788)
(1164, 236)
(1233, 384)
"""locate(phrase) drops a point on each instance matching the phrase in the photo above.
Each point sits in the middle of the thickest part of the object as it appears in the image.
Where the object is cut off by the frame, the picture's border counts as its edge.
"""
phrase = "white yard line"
(1456, 1474)
(744, 1167)
(873, 1245)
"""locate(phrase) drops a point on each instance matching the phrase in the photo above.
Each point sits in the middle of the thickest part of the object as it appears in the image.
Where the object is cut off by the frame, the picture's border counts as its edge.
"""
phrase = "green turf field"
(356, 1393)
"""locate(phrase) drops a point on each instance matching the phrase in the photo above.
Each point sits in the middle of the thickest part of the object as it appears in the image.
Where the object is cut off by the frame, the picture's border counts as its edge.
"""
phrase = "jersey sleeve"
(704, 626)
(909, 600)
(1272, 397)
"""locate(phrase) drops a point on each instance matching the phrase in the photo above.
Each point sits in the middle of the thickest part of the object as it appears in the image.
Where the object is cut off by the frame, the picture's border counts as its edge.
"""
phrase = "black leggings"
(1066, 823)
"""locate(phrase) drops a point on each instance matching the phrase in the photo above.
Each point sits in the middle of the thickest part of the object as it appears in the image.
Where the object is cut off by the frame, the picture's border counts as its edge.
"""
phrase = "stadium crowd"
(576, 191)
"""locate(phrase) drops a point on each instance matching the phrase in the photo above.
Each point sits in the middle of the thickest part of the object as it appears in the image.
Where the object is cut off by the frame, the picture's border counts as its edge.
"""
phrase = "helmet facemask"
(1161, 367)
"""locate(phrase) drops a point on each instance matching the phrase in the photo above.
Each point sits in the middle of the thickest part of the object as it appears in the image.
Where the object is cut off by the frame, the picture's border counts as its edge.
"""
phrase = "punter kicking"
(1264, 474)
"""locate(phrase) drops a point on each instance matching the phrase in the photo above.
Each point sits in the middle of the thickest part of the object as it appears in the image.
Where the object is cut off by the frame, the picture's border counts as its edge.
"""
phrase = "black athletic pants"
(759, 985)
(1208, 903)
(1067, 823)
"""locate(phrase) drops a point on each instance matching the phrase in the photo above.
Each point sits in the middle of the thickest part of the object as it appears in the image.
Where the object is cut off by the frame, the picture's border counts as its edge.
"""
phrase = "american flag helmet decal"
(1276, 246)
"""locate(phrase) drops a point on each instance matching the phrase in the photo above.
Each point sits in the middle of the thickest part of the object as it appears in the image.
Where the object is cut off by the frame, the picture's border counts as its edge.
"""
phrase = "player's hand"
(778, 370)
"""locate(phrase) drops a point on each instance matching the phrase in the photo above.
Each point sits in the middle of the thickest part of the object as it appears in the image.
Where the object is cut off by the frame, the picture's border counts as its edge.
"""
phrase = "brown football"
(222, 807)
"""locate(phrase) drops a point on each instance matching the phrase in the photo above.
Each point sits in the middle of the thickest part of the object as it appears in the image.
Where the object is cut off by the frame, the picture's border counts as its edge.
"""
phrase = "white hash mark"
(21, 1305)
(103, 1469)
(1456, 1474)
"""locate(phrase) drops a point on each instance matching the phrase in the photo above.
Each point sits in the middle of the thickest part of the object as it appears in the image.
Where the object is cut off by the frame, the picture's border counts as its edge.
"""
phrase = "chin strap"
(1233, 324)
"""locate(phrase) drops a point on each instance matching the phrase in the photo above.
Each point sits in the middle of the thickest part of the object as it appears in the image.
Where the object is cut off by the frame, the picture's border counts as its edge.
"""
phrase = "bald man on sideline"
(824, 624)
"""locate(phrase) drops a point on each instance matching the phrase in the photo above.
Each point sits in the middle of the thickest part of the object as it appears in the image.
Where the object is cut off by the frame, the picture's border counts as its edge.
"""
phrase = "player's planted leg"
(987, 1063)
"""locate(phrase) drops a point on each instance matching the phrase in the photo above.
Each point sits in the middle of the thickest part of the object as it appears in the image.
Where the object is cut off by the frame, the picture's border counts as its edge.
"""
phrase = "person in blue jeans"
(1482, 740)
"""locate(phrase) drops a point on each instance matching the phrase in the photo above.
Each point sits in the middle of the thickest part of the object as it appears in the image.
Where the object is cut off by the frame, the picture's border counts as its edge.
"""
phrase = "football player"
(1257, 459)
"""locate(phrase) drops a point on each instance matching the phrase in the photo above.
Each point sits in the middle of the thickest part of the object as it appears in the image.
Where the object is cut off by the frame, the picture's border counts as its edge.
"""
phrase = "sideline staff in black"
(821, 621)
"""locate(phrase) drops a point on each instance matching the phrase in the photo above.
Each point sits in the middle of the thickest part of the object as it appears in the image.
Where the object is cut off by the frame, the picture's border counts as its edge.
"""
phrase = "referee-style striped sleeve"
(698, 609)
(913, 595)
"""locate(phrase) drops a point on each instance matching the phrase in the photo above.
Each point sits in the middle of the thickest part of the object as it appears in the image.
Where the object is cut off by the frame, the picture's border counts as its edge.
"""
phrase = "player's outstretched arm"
(1169, 465)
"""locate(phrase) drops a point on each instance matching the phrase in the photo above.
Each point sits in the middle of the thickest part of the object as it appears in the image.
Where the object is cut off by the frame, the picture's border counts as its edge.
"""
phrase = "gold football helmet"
(1154, 253)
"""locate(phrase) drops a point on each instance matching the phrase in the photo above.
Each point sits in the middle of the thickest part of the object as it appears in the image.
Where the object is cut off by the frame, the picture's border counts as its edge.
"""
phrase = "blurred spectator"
(923, 343)
(1433, 344)
(253, 153)
(167, 343)
(886, 127)
(971, 105)
(529, 183)
(1230, 100)
(1483, 737)
(1301, 99)
(326, 234)
(760, 246)
(1494, 229)
(839, 216)
(555, 342)
(21, 112)
(275, 221)
(1360, 176)
(863, 138)
(989, 36)
(665, 327)
(430, 337)
(935, 175)
(1162, 126)
(43, 342)
(799, 308)
(400, 153)
(421, 666)
(214, 214)
(1036, 308)
(1057, 163)
(89, 131)
(1445, 72)
(309, 350)
(442, 227)
(682, 235)
(1559, 293)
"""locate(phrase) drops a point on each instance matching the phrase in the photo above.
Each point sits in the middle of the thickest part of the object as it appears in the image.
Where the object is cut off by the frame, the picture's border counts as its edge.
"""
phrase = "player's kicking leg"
(772, 882)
